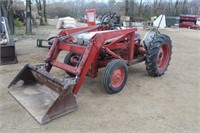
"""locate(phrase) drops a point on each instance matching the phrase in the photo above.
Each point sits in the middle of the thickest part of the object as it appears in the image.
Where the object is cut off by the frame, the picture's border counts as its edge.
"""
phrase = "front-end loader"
(46, 97)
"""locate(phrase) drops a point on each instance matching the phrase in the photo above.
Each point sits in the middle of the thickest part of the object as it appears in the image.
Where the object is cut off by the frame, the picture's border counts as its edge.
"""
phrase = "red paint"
(186, 24)
(117, 77)
(195, 27)
(90, 60)
(91, 17)
(163, 56)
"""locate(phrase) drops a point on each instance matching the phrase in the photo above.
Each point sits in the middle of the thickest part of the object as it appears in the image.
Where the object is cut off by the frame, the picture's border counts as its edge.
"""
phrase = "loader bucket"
(8, 54)
(41, 94)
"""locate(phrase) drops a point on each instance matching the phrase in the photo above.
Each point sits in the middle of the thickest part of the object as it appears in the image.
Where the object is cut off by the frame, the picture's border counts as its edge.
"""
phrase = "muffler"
(42, 95)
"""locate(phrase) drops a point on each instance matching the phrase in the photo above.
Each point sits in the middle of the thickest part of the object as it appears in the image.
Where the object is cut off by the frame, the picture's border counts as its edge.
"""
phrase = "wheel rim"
(73, 60)
(117, 77)
(163, 56)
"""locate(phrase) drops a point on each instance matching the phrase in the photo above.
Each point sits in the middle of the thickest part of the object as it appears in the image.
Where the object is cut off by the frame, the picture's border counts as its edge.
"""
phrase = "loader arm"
(89, 53)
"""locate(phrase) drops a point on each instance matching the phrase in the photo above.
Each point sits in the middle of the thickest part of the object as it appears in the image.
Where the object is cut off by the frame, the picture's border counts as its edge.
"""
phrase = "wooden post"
(28, 17)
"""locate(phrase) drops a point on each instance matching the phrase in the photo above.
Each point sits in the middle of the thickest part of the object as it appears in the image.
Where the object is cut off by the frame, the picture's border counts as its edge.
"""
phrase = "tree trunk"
(34, 20)
(28, 17)
(44, 9)
(126, 8)
(140, 8)
(40, 12)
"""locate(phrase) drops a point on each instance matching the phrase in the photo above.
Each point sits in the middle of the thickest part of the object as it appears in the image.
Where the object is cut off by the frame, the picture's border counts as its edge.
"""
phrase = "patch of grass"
(18, 23)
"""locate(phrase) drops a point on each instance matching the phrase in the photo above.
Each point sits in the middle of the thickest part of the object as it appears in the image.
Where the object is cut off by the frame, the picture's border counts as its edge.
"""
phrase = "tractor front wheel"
(70, 59)
(158, 55)
(115, 76)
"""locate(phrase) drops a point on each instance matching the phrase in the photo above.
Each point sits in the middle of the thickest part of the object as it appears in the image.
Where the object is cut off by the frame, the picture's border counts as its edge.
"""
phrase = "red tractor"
(89, 49)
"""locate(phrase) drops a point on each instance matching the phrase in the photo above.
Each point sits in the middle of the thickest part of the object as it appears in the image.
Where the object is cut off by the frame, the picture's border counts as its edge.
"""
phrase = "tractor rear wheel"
(158, 55)
(69, 61)
(115, 76)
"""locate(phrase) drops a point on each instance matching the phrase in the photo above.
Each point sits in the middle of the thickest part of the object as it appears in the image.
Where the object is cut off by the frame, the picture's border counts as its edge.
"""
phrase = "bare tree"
(6, 10)
(176, 11)
(136, 8)
(40, 12)
(184, 7)
(194, 7)
(44, 11)
(28, 17)
(126, 8)
(140, 8)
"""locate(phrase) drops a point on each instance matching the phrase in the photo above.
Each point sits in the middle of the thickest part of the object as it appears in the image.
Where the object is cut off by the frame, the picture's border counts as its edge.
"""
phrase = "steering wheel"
(107, 19)
(51, 39)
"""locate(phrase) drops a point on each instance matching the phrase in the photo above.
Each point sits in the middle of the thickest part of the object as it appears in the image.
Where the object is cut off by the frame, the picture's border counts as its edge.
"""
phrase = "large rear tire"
(115, 76)
(158, 55)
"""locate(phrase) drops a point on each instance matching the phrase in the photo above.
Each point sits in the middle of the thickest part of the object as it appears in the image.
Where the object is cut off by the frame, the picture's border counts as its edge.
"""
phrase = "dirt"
(170, 103)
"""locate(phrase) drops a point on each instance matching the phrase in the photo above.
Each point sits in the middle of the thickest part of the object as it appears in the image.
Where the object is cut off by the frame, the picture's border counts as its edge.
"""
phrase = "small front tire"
(115, 76)
(68, 61)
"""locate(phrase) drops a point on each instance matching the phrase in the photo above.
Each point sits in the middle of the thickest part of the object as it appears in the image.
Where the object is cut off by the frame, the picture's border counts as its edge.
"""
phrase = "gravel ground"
(170, 103)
